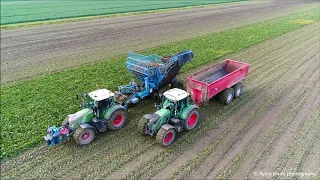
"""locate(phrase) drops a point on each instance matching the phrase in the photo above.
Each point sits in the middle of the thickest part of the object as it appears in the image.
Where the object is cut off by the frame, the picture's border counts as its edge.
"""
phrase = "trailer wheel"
(142, 125)
(226, 96)
(178, 84)
(165, 137)
(238, 89)
(117, 120)
(83, 136)
(192, 120)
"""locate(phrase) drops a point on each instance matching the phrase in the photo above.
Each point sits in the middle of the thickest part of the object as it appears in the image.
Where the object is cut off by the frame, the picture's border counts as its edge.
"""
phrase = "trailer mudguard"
(111, 110)
(167, 127)
(187, 110)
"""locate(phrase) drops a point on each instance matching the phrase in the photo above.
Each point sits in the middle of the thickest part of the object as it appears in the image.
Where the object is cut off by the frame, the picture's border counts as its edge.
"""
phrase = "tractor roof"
(100, 94)
(175, 94)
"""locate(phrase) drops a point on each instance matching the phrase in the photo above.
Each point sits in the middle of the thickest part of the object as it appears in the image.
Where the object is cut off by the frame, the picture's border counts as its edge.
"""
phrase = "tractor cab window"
(104, 103)
(182, 104)
(87, 102)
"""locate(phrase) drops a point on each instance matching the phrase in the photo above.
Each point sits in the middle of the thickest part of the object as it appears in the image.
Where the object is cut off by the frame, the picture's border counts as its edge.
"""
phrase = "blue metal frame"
(151, 71)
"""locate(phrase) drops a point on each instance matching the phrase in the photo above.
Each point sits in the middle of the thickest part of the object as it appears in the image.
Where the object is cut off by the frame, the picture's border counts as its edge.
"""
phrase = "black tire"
(238, 89)
(83, 136)
(142, 125)
(165, 137)
(178, 84)
(226, 96)
(117, 120)
(192, 120)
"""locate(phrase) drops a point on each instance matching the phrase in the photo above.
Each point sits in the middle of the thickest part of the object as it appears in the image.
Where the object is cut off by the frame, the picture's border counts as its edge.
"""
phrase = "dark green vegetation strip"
(28, 107)
(13, 11)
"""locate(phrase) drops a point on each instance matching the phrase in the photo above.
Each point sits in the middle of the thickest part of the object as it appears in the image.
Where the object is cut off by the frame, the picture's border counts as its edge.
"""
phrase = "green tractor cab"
(100, 112)
(176, 113)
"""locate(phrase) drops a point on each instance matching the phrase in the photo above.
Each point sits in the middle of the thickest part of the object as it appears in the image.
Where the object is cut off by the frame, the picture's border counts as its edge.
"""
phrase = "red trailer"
(224, 78)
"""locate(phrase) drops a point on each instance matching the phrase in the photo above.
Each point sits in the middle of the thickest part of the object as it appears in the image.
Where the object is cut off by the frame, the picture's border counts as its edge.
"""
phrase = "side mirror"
(77, 97)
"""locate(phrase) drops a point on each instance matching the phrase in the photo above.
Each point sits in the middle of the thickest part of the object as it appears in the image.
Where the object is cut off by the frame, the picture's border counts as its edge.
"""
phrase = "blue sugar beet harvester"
(153, 72)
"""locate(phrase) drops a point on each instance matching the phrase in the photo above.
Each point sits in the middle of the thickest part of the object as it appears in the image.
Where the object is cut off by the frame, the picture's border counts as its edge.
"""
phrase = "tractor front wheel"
(117, 120)
(142, 125)
(165, 137)
(192, 120)
(83, 136)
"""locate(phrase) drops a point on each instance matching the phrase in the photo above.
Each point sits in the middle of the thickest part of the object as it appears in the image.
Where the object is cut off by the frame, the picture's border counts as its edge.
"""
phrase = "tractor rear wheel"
(142, 125)
(117, 120)
(226, 96)
(83, 136)
(238, 88)
(192, 120)
(165, 137)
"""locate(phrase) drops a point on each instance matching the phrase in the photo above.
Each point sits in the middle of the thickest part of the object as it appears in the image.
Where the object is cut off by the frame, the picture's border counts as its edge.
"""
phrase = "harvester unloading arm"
(153, 72)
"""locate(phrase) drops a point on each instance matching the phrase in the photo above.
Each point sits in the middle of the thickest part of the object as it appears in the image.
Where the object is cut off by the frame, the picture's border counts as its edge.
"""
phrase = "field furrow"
(256, 105)
(276, 121)
(272, 127)
(35, 51)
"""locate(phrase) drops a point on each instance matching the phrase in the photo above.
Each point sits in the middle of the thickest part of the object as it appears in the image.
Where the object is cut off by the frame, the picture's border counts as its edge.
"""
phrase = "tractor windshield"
(87, 102)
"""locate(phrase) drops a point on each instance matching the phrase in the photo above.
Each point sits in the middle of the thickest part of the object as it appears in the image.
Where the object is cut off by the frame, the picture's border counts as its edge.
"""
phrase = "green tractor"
(100, 112)
(175, 114)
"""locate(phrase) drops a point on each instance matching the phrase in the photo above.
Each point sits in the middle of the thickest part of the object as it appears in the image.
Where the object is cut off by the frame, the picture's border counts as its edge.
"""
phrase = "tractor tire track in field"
(250, 153)
(35, 51)
(278, 74)
(172, 159)
(254, 105)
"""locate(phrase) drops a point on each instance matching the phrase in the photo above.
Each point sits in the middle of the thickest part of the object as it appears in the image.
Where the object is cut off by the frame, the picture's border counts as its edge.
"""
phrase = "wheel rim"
(168, 138)
(85, 137)
(192, 120)
(118, 120)
(229, 98)
(238, 91)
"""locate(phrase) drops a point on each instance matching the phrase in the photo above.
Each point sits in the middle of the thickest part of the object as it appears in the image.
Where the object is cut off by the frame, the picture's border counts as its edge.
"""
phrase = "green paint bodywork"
(164, 118)
(83, 116)
(170, 109)
(87, 114)
(183, 115)
(108, 112)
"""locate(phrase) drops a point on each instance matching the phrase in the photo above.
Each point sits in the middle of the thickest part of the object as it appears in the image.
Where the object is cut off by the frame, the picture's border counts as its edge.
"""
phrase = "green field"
(28, 107)
(13, 11)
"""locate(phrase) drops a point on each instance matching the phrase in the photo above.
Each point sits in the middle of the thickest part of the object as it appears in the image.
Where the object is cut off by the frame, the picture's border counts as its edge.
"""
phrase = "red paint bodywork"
(201, 91)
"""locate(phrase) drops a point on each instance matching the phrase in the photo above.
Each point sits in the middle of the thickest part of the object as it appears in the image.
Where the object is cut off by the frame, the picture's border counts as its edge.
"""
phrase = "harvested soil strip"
(254, 103)
(276, 121)
(294, 156)
(173, 162)
(126, 153)
(269, 157)
(30, 52)
(229, 151)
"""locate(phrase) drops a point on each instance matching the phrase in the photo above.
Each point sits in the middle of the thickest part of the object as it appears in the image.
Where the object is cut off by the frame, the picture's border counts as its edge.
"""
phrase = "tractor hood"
(80, 117)
(163, 112)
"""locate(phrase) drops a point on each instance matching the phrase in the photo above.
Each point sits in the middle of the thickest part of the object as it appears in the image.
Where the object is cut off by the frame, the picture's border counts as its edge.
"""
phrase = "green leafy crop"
(28, 107)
